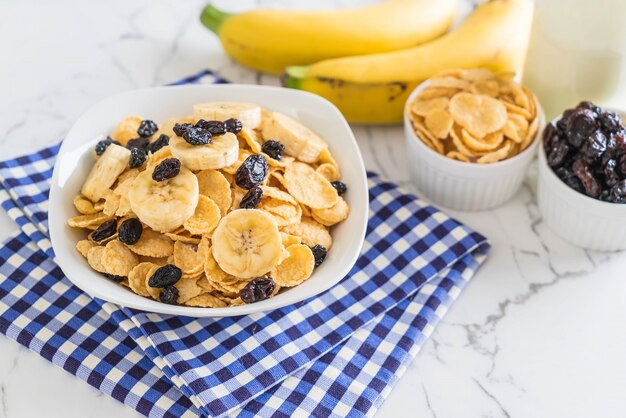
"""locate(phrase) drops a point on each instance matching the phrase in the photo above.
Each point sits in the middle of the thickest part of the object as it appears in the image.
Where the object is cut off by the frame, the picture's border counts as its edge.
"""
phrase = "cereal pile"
(475, 115)
(217, 209)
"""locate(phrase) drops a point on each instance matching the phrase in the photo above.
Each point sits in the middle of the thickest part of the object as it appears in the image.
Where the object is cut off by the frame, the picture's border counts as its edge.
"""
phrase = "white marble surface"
(539, 332)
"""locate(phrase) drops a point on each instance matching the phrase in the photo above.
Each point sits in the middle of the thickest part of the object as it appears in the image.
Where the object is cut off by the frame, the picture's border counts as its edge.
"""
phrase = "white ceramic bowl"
(75, 161)
(577, 218)
(463, 186)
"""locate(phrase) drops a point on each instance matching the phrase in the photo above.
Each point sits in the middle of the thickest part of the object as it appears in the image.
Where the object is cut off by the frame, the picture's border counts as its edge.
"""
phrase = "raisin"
(618, 192)
(167, 169)
(233, 125)
(162, 141)
(197, 136)
(590, 106)
(580, 125)
(611, 122)
(557, 153)
(274, 149)
(147, 128)
(130, 231)
(252, 199)
(610, 175)
(102, 146)
(180, 128)
(104, 231)
(257, 290)
(169, 295)
(141, 143)
(550, 134)
(214, 126)
(165, 276)
(590, 183)
(115, 278)
(340, 186)
(137, 158)
(319, 253)
(594, 146)
(621, 165)
(561, 124)
(252, 171)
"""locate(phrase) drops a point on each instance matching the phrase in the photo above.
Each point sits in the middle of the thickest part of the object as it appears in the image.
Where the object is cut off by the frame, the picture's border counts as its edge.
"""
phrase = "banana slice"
(249, 114)
(164, 205)
(247, 244)
(299, 141)
(222, 152)
(105, 171)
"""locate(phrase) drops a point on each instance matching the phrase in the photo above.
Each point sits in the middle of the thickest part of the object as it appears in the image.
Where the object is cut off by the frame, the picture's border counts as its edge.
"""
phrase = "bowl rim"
(342, 268)
(519, 158)
(564, 188)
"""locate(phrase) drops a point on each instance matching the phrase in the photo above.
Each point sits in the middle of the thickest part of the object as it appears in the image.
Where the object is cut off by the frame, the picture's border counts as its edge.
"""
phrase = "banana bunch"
(270, 40)
(373, 88)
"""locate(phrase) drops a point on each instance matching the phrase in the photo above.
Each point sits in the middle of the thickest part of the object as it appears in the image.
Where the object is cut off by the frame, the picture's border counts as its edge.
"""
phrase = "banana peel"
(372, 89)
(269, 40)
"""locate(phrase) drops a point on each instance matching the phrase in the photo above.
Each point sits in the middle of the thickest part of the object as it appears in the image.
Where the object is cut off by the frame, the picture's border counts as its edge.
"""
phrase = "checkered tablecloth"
(336, 354)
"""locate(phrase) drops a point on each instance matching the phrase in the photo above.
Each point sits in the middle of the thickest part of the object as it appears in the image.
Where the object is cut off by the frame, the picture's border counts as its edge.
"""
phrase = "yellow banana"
(270, 40)
(373, 88)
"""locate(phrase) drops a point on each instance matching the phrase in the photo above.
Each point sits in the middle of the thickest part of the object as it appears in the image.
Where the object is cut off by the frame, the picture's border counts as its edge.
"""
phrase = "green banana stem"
(292, 75)
(213, 18)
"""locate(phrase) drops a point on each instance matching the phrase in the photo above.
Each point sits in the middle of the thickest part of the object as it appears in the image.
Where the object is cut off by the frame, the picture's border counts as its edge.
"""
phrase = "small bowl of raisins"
(581, 190)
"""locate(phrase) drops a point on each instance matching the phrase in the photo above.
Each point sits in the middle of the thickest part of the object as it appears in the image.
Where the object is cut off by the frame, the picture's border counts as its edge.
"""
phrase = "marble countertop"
(539, 331)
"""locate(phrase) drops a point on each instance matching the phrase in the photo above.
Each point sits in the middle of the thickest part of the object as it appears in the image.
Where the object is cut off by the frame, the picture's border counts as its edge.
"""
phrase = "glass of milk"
(577, 52)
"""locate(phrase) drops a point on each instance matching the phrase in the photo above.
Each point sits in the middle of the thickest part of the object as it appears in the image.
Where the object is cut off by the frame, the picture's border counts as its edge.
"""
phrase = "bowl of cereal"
(471, 135)
(218, 200)
(581, 189)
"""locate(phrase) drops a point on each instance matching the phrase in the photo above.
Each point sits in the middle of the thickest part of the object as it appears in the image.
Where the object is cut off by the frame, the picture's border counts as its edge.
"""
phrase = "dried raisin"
(252, 199)
(581, 125)
(130, 231)
(214, 126)
(115, 278)
(252, 171)
(197, 136)
(257, 290)
(147, 128)
(165, 276)
(180, 128)
(169, 295)
(319, 254)
(162, 141)
(167, 169)
(233, 125)
(137, 158)
(141, 143)
(102, 146)
(274, 149)
(104, 231)
(340, 187)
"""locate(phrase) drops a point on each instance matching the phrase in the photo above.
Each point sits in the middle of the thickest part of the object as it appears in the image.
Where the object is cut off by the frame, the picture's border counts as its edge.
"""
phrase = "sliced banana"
(221, 152)
(105, 171)
(247, 244)
(299, 141)
(249, 114)
(164, 205)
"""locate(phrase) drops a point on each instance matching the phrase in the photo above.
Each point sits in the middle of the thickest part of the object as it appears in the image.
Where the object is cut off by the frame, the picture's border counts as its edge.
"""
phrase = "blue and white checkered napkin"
(337, 354)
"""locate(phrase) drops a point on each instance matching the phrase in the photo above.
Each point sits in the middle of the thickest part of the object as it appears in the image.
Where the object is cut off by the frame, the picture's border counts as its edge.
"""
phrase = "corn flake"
(205, 218)
(296, 268)
(215, 186)
(153, 244)
(309, 187)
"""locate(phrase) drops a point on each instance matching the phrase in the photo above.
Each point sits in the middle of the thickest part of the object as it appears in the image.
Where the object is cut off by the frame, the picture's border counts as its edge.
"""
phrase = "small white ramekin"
(577, 218)
(464, 186)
